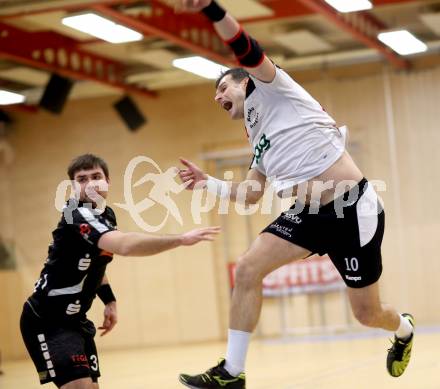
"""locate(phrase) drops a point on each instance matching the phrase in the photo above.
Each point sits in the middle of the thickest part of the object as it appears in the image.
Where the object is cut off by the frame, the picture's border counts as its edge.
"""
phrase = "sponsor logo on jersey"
(292, 218)
(355, 279)
(84, 263)
(80, 358)
(252, 117)
(84, 229)
(262, 146)
(286, 231)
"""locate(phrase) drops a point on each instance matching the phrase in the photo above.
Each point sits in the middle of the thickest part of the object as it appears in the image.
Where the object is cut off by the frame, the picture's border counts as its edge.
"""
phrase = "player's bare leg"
(267, 253)
(82, 383)
(371, 312)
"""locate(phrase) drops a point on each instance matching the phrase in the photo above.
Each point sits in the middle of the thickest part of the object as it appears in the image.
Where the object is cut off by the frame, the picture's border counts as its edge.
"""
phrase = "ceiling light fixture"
(200, 66)
(402, 42)
(7, 98)
(350, 5)
(102, 28)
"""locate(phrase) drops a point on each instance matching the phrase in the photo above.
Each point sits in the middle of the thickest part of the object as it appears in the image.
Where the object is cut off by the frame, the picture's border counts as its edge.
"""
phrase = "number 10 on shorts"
(352, 264)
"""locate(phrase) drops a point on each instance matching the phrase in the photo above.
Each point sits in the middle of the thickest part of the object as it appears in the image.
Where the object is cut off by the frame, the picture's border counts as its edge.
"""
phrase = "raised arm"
(248, 191)
(246, 49)
(139, 244)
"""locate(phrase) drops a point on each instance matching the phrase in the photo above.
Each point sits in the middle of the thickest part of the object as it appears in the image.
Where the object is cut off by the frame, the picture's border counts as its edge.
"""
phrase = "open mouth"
(227, 105)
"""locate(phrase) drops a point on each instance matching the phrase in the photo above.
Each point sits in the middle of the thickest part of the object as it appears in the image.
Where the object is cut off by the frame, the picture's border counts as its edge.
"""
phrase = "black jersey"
(75, 265)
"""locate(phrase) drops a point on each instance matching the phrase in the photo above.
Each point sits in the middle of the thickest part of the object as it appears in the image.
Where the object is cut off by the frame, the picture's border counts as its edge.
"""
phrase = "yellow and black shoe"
(400, 353)
(216, 377)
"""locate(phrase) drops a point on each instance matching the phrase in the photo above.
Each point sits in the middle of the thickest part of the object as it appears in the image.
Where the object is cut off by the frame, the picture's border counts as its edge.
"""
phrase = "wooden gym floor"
(326, 362)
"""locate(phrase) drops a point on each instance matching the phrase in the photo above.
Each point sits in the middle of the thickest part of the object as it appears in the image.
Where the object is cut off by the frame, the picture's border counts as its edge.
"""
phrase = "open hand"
(192, 175)
(195, 236)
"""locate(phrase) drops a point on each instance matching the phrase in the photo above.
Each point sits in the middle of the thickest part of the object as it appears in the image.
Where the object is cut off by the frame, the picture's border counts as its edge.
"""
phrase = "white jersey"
(292, 137)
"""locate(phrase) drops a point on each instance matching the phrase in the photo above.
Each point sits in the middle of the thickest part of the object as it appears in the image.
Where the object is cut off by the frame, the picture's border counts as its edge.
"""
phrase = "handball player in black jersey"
(54, 324)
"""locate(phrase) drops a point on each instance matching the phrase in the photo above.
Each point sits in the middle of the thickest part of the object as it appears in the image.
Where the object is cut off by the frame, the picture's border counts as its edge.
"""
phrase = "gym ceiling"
(296, 34)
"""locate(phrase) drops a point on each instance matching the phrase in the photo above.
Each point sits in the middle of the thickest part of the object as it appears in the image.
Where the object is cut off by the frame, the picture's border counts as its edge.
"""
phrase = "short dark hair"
(86, 162)
(237, 74)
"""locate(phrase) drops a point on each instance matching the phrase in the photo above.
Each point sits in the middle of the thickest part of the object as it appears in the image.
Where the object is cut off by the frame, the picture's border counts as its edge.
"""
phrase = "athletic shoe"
(216, 377)
(400, 352)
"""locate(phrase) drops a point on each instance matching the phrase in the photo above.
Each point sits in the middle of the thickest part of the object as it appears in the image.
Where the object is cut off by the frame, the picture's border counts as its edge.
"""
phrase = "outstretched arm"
(246, 192)
(139, 244)
(247, 50)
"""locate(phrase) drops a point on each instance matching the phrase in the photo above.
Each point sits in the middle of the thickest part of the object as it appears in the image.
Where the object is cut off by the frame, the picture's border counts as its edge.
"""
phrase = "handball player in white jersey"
(299, 147)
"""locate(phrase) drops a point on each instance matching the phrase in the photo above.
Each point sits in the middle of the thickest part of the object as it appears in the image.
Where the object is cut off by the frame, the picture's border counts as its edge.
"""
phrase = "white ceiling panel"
(159, 58)
(165, 79)
(302, 42)
(246, 8)
(432, 20)
(25, 75)
(87, 89)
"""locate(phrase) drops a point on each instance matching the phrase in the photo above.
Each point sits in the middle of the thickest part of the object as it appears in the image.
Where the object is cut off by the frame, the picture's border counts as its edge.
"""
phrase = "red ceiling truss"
(191, 31)
(68, 8)
(57, 53)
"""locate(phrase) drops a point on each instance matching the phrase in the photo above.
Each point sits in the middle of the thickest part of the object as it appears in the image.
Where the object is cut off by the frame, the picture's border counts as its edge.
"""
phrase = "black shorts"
(350, 230)
(61, 353)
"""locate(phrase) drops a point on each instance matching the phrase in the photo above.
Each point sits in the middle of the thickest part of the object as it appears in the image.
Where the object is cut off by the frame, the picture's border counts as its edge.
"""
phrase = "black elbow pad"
(246, 49)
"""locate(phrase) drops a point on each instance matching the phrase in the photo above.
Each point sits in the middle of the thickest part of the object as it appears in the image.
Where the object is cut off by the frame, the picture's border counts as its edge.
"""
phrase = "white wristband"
(218, 187)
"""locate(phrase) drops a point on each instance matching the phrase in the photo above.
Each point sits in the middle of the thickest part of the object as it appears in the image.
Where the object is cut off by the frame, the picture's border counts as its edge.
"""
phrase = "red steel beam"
(281, 8)
(361, 27)
(191, 31)
(67, 8)
(20, 108)
(56, 53)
